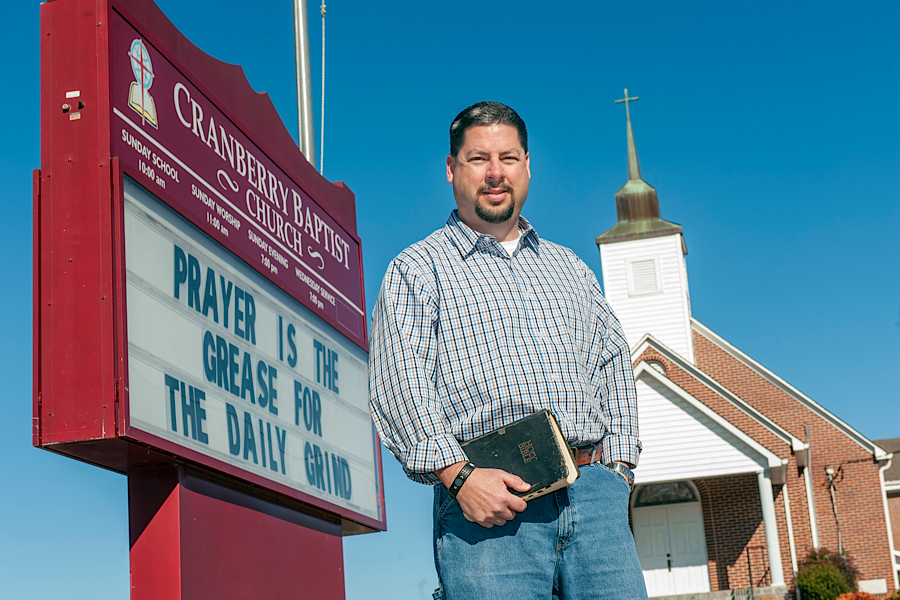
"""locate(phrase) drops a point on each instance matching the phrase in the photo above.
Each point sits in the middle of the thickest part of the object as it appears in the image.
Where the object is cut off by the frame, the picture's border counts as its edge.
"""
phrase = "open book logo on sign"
(139, 98)
(527, 450)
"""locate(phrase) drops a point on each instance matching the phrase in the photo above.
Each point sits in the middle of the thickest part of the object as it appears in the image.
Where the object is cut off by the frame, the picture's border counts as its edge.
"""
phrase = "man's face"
(490, 176)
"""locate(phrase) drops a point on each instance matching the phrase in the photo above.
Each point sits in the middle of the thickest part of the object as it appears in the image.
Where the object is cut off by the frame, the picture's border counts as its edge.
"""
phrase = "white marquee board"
(223, 363)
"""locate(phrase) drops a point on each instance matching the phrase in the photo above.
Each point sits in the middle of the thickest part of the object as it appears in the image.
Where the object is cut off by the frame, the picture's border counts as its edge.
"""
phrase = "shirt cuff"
(621, 448)
(424, 458)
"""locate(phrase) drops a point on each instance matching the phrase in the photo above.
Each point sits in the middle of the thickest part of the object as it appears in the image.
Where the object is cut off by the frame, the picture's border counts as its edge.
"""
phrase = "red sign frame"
(80, 312)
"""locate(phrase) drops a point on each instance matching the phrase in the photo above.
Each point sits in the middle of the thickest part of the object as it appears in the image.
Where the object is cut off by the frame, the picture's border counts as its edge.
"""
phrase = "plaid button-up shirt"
(466, 338)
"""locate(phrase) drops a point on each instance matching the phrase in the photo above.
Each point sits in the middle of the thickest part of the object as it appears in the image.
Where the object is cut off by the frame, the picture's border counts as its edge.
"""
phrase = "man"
(480, 324)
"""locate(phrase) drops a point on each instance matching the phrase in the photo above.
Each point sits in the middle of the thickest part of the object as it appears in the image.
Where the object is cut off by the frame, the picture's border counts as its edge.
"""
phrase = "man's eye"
(510, 159)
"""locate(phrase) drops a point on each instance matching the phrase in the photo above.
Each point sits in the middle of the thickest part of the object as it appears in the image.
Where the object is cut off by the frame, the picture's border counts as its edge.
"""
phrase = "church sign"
(198, 286)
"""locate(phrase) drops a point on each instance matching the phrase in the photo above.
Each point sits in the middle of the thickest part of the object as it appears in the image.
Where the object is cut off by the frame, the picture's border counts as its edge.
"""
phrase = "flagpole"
(304, 83)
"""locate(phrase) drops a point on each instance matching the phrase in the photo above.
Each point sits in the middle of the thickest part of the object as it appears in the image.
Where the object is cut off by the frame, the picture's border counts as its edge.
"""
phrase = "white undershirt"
(511, 245)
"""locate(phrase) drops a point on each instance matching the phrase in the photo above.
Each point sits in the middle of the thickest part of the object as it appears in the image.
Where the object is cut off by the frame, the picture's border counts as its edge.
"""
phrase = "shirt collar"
(466, 239)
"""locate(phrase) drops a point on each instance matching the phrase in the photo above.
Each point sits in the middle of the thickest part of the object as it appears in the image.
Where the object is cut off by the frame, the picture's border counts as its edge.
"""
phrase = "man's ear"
(528, 164)
(451, 164)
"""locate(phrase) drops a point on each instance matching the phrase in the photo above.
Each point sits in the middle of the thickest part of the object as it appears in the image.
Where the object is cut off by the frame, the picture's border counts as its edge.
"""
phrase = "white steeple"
(642, 257)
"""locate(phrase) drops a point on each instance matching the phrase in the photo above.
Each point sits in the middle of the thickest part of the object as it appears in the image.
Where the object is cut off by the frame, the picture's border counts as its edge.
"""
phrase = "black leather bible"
(532, 448)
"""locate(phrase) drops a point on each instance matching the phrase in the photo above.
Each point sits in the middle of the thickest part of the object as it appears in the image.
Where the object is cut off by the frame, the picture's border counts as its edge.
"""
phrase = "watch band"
(460, 478)
(620, 468)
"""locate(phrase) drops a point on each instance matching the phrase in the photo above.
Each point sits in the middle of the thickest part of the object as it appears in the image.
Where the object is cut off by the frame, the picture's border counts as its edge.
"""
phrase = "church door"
(671, 544)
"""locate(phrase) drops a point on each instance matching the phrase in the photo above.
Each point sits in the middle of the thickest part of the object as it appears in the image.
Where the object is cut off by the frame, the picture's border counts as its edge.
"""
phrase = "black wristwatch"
(461, 478)
(620, 468)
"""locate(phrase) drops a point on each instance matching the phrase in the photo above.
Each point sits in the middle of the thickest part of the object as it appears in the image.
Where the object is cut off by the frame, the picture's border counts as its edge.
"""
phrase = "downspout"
(887, 516)
(790, 526)
(810, 499)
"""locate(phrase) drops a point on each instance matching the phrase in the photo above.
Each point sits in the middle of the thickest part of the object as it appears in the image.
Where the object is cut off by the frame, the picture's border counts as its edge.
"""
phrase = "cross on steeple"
(634, 168)
(626, 100)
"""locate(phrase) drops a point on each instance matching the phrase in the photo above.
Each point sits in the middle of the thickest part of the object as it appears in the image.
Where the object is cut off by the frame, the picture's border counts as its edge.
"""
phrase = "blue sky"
(769, 129)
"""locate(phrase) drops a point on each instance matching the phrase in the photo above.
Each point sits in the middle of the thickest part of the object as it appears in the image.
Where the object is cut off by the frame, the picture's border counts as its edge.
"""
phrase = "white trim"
(686, 303)
(784, 386)
(887, 517)
(649, 341)
(772, 460)
(892, 486)
(690, 482)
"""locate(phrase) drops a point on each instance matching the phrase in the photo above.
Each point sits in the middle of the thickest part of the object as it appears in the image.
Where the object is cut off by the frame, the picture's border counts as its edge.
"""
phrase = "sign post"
(199, 312)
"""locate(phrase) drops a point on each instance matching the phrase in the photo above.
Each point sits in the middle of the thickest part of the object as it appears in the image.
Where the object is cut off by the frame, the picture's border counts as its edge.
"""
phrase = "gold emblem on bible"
(527, 450)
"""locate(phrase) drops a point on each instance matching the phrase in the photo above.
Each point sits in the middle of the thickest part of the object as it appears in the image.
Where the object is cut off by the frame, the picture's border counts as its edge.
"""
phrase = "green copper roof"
(636, 230)
(637, 205)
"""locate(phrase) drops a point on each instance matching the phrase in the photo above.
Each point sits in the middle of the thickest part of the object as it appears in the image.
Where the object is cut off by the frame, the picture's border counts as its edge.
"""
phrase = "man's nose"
(495, 170)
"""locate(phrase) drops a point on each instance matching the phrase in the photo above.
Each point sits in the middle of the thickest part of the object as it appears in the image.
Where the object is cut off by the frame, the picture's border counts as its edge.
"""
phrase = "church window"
(657, 366)
(672, 492)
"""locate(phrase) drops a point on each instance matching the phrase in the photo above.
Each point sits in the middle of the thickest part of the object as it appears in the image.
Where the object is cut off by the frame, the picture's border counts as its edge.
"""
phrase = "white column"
(767, 499)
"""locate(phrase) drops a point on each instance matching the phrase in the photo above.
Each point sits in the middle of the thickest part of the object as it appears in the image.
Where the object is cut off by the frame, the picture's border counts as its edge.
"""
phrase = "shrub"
(820, 581)
(843, 562)
(856, 596)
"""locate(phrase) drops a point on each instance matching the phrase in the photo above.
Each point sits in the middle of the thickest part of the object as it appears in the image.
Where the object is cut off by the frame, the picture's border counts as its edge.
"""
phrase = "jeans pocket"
(445, 505)
(618, 476)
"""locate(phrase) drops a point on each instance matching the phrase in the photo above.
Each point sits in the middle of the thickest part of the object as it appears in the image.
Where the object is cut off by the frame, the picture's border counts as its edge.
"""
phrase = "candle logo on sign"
(139, 98)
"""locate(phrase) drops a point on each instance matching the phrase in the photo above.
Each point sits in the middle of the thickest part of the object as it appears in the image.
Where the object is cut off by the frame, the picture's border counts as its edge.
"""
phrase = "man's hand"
(484, 497)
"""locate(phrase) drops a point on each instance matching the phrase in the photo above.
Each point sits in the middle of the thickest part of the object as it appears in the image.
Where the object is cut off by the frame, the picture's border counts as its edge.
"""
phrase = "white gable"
(683, 439)
(645, 282)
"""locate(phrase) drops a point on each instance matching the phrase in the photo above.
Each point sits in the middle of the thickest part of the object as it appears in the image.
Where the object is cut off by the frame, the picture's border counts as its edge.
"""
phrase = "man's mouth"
(495, 194)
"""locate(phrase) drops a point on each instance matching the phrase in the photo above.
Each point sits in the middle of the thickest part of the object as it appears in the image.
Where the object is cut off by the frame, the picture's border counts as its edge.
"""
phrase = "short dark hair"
(485, 113)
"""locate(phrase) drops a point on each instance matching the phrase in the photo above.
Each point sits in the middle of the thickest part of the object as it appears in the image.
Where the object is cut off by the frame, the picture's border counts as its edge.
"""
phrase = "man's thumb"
(515, 482)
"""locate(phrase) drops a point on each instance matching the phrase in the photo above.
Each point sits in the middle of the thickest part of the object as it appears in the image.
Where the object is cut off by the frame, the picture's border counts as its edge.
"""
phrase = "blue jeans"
(573, 544)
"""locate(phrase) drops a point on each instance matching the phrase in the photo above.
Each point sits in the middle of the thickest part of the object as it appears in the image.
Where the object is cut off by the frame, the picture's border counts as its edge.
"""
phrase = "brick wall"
(858, 495)
(765, 437)
(733, 519)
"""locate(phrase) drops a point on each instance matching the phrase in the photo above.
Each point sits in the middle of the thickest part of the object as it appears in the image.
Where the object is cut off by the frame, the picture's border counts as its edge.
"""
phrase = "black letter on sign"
(173, 385)
(281, 437)
(249, 440)
(348, 486)
(209, 357)
(200, 412)
(209, 296)
(234, 430)
(193, 283)
(180, 270)
(308, 461)
(292, 343)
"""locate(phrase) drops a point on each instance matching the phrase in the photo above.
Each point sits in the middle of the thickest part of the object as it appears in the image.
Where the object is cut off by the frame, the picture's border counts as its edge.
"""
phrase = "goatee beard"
(500, 214)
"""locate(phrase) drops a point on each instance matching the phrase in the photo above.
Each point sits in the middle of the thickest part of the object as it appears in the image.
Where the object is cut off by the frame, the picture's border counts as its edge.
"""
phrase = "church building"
(741, 473)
